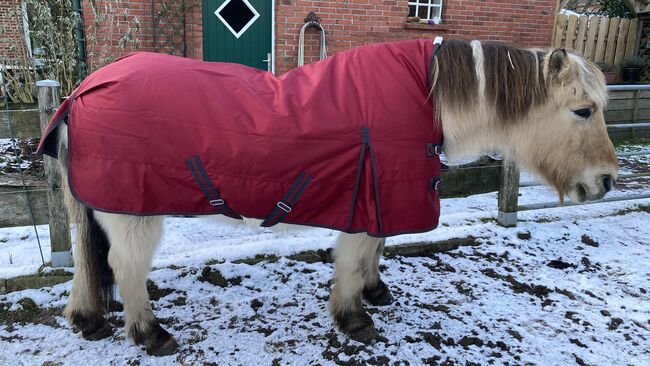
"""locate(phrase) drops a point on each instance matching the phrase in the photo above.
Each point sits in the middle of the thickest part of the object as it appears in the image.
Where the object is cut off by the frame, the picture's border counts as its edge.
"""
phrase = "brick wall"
(351, 23)
(159, 29)
(11, 34)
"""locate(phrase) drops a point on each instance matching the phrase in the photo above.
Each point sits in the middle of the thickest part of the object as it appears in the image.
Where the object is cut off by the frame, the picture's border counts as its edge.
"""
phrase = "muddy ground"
(514, 302)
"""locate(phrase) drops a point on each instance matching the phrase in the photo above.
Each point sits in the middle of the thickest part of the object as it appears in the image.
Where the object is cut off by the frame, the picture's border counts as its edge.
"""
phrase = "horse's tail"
(93, 275)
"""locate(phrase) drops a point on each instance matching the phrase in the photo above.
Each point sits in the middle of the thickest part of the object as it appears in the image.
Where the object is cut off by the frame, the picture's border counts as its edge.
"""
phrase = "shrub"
(633, 62)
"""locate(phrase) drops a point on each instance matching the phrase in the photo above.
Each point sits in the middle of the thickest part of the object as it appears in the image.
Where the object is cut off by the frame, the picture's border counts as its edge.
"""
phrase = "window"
(426, 9)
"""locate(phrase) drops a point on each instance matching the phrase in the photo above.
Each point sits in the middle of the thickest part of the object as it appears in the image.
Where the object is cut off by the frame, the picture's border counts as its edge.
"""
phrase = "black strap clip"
(284, 206)
(433, 149)
(434, 183)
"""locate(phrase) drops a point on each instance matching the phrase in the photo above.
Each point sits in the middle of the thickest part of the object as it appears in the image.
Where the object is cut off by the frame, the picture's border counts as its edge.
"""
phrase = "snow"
(567, 285)
(569, 12)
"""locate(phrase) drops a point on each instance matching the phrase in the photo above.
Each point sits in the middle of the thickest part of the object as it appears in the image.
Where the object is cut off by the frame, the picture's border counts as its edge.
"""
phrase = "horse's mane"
(508, 78)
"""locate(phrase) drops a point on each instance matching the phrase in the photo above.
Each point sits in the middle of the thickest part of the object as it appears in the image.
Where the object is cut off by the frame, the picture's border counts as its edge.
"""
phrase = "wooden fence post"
(48, 99)
(508, 194)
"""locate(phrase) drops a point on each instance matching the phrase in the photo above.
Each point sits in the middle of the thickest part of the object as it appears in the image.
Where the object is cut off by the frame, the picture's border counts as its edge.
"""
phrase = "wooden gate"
(598, 38)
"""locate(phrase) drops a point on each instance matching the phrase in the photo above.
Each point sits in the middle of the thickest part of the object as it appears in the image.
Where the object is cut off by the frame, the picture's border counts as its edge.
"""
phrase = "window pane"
(411, 10)
(422, 12)
(435, 12)
(423, 1)
(436, 2)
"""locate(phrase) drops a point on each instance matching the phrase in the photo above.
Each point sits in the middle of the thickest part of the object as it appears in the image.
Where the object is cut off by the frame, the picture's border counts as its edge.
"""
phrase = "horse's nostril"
(608, 182)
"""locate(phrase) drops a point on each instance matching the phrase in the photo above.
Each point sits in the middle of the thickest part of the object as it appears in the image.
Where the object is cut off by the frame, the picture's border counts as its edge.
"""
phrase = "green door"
(238, 31)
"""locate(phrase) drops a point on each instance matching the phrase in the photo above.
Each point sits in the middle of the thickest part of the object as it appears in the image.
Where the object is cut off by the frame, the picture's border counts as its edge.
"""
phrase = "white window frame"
(429, 5)
(250, 22)
(26, 36)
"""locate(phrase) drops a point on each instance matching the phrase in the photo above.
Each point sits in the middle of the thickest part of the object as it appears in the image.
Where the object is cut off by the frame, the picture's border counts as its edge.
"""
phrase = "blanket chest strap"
(210, 191)
(284, 206)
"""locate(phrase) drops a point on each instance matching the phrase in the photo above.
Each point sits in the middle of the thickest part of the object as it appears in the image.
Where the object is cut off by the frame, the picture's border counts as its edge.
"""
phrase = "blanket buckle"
(284, 207)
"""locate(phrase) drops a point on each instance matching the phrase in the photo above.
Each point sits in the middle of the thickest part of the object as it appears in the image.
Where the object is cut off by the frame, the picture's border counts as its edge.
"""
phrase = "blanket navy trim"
(284, 206)
(366, 144)
(375, 181)
(210, 191)
(362, 157)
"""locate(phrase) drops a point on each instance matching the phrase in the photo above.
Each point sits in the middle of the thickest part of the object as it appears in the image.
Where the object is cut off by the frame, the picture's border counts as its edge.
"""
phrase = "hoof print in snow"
(577, 342)
(155, 292)
(560, 264)
(256, 304)
(524, 236)
(214, 277)
(515, 335)
(614, 323)
(589, 241)
(580, 362)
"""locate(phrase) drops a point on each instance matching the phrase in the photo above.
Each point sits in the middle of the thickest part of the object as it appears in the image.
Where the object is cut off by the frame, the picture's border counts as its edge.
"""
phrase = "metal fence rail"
(509, 190)
(509, 218)
(535, 183)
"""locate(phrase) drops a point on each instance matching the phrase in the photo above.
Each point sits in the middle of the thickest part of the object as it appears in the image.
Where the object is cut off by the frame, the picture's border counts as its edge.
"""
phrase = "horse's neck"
(470, 134)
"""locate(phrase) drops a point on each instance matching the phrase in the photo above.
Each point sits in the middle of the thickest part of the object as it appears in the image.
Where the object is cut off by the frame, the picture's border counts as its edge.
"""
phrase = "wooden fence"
(598, 38)
(628, 111)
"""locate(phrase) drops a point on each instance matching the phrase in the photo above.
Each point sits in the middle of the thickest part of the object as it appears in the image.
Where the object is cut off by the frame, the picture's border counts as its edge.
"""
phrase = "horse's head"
(543, 108)
(565, 139)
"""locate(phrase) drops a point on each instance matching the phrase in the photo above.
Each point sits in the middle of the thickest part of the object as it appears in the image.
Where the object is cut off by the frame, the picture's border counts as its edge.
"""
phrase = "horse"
(541, 107)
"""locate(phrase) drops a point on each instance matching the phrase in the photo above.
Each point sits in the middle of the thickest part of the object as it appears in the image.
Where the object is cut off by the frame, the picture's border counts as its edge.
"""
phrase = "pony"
(543, 108)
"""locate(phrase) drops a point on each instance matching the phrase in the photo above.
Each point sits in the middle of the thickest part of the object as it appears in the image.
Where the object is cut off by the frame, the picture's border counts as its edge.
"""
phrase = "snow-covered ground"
(566, 286)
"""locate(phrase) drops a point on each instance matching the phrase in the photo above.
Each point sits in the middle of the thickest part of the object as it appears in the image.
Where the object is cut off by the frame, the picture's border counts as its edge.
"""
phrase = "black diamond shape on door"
(237, 15)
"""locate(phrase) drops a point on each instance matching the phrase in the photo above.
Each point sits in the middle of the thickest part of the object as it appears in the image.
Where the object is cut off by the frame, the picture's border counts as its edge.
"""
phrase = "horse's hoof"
(105, 331)
(366, 335)
(358, 325)
(92, 328)
(156, 340)
(379, 295)
(169, 347)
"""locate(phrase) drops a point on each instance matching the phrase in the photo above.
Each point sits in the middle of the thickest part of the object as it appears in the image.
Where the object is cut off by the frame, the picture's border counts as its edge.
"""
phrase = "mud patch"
(214, 277)
(155, 292)
(29, 313)
(589, 241)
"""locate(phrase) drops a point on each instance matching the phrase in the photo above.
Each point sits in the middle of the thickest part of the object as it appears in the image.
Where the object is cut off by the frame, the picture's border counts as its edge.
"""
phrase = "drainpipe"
(81, 39)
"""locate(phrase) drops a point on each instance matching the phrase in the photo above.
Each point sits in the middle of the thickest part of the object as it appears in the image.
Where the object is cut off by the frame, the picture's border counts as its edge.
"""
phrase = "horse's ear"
(558, 61)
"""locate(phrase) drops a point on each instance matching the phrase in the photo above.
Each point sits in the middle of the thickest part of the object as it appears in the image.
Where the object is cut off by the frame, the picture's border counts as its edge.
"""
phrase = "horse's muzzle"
(608, 183)
(582, 193)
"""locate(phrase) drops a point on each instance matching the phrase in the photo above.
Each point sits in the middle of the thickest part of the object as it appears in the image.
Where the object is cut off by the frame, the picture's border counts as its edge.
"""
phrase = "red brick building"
(11, 28)
(248, 30)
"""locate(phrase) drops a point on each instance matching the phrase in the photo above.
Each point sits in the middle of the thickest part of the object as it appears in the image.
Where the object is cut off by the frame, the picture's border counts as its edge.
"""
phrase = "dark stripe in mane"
(513, 84)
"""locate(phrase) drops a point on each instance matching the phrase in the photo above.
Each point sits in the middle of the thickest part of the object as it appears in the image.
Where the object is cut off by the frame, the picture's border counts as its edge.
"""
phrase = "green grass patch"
(639, 208)
(627, 141)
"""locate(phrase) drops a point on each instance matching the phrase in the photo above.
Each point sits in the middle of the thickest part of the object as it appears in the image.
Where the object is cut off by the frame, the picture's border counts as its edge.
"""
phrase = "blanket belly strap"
(210, 191)
(284, 206)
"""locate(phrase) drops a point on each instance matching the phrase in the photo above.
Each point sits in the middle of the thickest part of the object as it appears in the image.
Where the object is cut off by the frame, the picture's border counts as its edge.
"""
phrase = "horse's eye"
(583, 113)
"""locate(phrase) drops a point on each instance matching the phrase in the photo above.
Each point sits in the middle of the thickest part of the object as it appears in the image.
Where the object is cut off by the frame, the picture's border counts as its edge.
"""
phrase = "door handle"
(268, 61)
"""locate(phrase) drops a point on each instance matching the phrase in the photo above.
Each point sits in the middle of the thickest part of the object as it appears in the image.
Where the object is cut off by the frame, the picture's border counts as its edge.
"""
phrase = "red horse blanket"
(348, 143)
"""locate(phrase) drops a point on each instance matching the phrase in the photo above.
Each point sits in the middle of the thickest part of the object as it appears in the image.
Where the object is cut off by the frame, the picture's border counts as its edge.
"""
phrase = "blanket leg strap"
(210, 191)
(283, 207)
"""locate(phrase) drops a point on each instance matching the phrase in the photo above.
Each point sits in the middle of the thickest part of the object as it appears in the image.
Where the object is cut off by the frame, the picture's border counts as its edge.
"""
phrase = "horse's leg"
(375, 290)
(92, 283)
(133, 241)
(355, 258)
